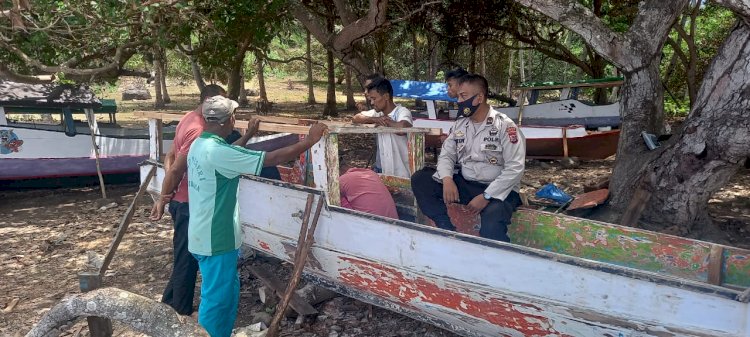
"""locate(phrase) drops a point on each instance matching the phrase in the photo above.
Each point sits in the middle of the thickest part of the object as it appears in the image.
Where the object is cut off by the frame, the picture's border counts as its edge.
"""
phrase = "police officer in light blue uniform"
(489, 152)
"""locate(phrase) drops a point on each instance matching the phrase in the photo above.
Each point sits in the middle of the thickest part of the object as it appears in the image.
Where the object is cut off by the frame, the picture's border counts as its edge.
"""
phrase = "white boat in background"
(32, 147)
(567, 109)
(555, 129)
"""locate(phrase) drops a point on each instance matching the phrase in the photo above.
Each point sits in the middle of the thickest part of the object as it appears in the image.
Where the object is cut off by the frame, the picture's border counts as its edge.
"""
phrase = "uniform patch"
(459, 133)
(493, 131)
(489, 147)
(512, 134)
(493, 160)
(490, 120)
(491, 139)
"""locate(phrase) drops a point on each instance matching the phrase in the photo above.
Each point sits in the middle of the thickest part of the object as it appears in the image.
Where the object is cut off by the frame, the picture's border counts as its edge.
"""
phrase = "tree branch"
(137, 312)
(584, 22)
(739, 7)
(63, 68)
(10, 75)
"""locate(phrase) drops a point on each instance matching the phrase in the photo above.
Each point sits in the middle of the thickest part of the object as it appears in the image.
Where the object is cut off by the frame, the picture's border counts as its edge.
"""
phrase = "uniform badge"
(512, 134)
(459, 133)
(489, 147)
(493, 160)
(490, 120)
(493, 131)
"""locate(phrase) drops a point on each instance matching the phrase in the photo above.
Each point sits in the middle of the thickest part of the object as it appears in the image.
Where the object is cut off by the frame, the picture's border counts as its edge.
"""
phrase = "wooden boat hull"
(479, 287)
(547, 141)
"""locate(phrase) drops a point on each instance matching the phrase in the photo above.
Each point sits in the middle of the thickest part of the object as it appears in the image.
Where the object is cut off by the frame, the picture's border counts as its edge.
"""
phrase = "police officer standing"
(489, 151)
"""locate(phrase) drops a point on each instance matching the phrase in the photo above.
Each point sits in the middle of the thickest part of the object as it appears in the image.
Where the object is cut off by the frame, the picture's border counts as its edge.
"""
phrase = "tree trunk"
(598, 68)
(234, 76)
(242, 100)
(262, 95)
(163, 72)
(159, 99)
(415, 64)
(330, 109)
(510, 73)
(140, 313)
(434, 50)
(641, 110)
(350, 103)
(522, 65)
(482, 61)
(308, 63)
(473, 62)
(196, 68)
(714, 144)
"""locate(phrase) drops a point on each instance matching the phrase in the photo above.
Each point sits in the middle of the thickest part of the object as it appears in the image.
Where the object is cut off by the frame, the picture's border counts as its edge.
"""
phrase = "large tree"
(636, 52)
(78, 40)
(715, 138)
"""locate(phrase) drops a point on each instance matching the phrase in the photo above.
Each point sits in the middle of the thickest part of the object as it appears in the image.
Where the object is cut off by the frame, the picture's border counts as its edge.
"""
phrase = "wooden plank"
(565, 142)
(715, 264)
(303, 249)
(416, 151)
(369, 129)
(522, 100)
(98, 326)
(156, 139)
(94, 129)
(332, 165)
(269, 279)
(125, 222)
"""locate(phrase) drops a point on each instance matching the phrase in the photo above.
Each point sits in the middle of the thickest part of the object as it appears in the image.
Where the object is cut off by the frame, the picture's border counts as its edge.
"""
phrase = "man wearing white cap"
(214, 237)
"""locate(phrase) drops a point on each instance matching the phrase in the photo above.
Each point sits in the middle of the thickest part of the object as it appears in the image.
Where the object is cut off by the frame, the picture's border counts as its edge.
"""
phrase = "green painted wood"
(628, 247)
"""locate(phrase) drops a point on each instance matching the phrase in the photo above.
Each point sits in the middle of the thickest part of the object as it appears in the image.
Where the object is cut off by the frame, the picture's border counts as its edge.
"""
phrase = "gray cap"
(218, 109)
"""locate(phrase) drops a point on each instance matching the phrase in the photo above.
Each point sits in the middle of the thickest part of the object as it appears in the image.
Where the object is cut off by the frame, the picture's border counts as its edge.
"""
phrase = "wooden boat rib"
(561, 276)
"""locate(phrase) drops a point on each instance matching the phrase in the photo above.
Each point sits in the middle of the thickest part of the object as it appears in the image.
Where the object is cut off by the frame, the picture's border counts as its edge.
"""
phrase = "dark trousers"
(181, 286)
(495, 217)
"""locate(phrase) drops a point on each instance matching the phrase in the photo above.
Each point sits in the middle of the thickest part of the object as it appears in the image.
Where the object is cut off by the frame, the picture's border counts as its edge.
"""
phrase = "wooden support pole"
(300, 258)
(94, 128)
(156, 139)
(125, 223)
(98, 327)
(332, 166)
(522, 101)
(565, 141)
(715, 264)
(416, 151)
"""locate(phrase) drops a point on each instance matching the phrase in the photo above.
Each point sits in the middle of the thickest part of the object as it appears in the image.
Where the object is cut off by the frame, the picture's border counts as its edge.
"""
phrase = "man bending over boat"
(393, 156)
(489, 152)
(362, 190)
(214, 237)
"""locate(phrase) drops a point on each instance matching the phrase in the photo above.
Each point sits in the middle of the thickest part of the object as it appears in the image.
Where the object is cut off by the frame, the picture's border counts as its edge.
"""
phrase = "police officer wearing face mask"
(489, 152)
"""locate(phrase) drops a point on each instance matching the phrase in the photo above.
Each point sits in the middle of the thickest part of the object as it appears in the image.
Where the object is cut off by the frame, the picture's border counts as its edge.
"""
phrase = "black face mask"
(466, 109)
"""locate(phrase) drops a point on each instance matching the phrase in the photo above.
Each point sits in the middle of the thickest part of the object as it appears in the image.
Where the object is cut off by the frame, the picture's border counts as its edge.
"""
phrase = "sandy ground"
(49, 235)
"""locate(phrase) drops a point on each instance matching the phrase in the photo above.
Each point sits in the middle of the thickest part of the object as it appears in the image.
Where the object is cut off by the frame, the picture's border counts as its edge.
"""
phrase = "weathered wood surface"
(629, 247)
(478, 287)
(281, 124)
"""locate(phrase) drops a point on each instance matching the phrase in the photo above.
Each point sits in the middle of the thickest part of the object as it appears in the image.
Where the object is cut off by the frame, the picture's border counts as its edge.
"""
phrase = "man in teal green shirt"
(214, 169)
